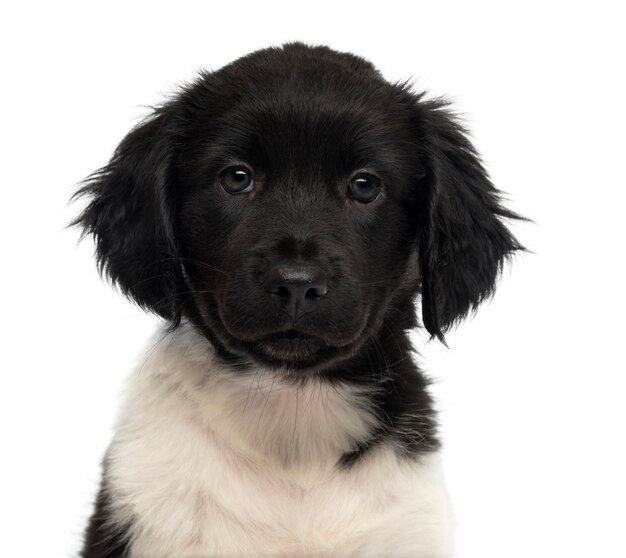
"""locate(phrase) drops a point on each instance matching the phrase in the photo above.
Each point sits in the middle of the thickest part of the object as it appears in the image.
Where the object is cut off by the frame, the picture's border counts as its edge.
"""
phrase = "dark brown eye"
(364, 187)
(236, 180)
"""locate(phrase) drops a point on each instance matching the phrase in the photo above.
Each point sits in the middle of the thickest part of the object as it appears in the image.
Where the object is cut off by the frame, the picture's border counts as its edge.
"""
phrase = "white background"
(531, 391)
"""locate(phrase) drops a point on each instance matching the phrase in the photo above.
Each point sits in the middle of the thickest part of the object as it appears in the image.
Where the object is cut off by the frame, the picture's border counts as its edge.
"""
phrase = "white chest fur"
(207, 462)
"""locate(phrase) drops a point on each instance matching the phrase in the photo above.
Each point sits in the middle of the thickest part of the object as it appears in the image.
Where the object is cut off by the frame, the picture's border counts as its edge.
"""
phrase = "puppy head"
(294, 203)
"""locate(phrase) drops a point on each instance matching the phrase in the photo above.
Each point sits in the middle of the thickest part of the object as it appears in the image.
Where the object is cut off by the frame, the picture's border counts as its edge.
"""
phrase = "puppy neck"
(257, 413)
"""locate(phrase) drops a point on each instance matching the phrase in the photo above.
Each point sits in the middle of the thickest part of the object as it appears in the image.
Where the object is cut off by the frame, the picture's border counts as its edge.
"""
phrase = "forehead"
(310, 130)
(305, 116)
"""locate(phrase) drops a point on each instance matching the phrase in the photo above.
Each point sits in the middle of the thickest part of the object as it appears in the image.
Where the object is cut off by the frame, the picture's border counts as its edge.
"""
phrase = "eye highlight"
(364, 187)
(236, 180)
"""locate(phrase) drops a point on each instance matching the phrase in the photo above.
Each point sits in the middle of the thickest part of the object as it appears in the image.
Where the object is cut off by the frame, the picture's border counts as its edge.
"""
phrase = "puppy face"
(293, 204)
(295, 209)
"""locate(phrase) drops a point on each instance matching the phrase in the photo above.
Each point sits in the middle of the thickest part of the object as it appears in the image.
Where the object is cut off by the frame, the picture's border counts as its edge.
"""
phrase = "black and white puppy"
(282, 214)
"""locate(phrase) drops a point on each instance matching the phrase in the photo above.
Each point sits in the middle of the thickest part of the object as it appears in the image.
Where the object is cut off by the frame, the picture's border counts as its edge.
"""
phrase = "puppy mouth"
(290, 347)
(288, 335)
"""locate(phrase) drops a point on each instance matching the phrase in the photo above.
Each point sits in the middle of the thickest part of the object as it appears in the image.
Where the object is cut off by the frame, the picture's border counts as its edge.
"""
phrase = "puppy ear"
(464, 242)
(130, 216)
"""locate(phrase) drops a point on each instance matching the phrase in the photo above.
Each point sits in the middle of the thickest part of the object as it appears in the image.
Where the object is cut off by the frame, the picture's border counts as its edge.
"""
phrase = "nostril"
(316, 291)
(280, 291)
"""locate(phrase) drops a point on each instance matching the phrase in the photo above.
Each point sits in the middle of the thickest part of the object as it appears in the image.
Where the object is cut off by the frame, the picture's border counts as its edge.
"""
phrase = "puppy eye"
(236, 180)
(364, 187)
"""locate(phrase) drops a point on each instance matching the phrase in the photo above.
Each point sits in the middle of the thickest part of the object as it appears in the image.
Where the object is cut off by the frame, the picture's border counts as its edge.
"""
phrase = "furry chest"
(231, 508)
(208, 464)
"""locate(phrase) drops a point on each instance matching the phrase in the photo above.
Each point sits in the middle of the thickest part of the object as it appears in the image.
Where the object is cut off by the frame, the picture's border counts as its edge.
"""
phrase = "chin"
(292, 349)
(293, 352)
(286, 216)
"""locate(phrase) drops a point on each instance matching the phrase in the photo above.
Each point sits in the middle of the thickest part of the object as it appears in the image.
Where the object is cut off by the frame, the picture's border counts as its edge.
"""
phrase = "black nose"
(296, 286)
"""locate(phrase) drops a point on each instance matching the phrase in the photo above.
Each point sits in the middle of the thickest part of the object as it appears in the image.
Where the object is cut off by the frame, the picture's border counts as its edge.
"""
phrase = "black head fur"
(304, 118)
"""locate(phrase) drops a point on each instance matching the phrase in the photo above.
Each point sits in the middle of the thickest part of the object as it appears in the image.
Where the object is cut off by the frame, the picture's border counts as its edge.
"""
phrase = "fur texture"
(210, 463)
(282, 215)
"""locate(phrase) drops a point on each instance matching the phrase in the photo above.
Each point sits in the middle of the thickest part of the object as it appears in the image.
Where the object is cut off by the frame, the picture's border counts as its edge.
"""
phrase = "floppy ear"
(130, 215)
(464, 242)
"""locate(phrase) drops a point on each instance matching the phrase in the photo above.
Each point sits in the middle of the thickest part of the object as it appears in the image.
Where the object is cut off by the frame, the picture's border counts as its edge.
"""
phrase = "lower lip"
(287, 346)
(289, 342)
(289, 337)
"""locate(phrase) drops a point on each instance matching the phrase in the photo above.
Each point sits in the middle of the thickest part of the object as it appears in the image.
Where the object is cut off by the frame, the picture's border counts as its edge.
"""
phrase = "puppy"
(282, 215)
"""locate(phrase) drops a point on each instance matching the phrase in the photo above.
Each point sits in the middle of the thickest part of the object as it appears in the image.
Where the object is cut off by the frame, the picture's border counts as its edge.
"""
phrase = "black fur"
(104, 538)
(304, 119)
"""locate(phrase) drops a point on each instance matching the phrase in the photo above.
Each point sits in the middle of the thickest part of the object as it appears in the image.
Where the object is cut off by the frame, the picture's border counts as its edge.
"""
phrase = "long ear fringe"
(129, 216)
(465, 243)
(433, 324)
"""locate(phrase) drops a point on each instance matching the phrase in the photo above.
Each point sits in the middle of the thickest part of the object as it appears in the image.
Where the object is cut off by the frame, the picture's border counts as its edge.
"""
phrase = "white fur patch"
(210, 462)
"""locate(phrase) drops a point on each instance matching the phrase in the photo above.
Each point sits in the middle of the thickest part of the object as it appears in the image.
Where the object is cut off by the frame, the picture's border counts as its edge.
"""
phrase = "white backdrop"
(531, 391)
